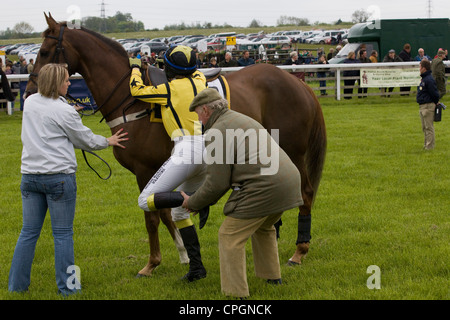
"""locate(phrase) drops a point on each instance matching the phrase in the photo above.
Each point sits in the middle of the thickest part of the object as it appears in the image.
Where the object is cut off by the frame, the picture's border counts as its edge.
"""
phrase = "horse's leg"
(304, 219)
(152, 223)
(166, 218)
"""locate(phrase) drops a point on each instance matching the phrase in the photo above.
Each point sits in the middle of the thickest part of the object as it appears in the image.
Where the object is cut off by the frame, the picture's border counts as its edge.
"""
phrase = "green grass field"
(382, 201)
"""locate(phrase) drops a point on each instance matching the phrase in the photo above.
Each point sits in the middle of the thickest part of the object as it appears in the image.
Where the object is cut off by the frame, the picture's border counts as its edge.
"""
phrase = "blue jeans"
(57, 193)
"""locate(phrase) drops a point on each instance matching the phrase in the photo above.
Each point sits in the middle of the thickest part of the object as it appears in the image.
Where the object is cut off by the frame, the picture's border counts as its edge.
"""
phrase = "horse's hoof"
(291, 263)
(141, 276)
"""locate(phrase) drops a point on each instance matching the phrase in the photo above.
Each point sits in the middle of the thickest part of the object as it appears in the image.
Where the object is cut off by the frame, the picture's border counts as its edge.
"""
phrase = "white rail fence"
(334, 78)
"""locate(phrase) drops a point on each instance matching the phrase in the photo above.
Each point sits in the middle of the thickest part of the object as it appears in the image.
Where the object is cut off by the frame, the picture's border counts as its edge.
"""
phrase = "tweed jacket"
(253, 194)
(438, 73)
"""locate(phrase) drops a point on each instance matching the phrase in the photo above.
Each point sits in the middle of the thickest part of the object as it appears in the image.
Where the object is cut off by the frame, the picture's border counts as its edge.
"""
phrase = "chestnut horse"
(266, 93)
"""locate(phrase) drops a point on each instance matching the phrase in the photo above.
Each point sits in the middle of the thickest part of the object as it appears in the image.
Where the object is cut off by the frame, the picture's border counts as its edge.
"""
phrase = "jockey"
(184, 170)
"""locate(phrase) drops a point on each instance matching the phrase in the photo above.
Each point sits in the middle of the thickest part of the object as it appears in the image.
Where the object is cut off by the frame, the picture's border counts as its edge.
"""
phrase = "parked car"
(309, 35)
(29, 49)
(155, 47)
(283, 41)
(192, 42)
(32, 54)
(295, 35)
(324, 36)
(15, 50)
(174, 38)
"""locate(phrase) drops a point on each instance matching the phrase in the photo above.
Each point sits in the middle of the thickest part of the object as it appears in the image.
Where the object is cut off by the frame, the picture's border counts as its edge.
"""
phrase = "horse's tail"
(317, 146)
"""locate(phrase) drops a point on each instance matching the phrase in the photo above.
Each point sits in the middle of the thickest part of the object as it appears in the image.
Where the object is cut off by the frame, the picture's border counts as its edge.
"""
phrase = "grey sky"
(157, 14)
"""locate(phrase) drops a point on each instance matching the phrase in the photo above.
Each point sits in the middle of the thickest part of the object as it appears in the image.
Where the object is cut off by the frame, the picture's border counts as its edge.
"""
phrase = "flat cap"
(392, 51)
(206, 96)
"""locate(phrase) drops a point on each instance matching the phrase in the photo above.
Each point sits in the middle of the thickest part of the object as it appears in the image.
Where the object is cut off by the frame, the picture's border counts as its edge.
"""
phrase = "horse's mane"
(110, 42)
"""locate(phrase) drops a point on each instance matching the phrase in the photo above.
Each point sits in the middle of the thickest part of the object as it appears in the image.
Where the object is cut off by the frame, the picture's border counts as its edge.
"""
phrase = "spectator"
(427, 98)
(374, 56)
(23, 67)
(405, 55)
(322, 74)
(330, 54)
(320, 52)
(362, 92)
(16, 66)
(306, 57)
(152, 59)
(9, 68)
(198, 61)
(293, 59)
(438, 72)
(391, 57)
(258, 198)
(228, 62)
(213, 63)
(421, 55)
(6, 94)
(339, 38)
(350, 83)
(245, 60)
(51, 130)
(447, 69)
(30, 66)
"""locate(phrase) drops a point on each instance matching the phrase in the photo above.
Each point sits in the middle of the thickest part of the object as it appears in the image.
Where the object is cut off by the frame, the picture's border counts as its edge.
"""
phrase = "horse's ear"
(50, 21)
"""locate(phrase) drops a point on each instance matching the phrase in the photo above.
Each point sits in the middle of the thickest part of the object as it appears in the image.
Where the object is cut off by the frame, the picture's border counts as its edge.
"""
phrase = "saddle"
(155, 76)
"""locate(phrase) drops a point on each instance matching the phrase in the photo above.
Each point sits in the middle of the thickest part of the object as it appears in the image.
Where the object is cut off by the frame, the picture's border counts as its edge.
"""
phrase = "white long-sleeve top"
(51, 129)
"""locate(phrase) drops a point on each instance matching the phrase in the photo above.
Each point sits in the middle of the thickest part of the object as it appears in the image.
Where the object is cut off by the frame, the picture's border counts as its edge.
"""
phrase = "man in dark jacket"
(391, 57)
(228, 62)
(405, 55)
(245, 60)
(427, 98)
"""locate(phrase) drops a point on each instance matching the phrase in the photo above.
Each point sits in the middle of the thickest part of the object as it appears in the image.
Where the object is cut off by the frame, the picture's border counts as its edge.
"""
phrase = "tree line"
(120, 22)
(123, 22)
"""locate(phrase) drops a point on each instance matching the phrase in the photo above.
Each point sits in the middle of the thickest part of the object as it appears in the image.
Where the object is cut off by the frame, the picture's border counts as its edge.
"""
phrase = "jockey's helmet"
(180, 60)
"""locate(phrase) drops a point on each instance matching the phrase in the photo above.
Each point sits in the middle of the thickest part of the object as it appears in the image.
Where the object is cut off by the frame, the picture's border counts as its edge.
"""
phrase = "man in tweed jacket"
(261, 190)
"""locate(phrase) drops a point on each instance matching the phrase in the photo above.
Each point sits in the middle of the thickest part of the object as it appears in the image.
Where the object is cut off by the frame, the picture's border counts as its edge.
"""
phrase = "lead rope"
(87, 162)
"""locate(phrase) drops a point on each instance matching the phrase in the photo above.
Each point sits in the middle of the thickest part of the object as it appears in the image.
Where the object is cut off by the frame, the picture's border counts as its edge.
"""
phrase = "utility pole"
(103, 16)
(429, 8)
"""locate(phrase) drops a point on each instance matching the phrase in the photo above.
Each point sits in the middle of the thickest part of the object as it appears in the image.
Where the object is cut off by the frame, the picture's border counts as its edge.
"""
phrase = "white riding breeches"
(184, 171)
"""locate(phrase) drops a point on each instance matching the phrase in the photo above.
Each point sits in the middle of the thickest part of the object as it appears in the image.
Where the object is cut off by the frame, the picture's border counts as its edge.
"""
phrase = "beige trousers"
(427, 117)
(233, 235)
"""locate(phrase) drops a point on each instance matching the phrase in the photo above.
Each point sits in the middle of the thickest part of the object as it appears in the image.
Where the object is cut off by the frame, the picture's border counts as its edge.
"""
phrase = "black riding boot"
(196, 269)
(173, 199)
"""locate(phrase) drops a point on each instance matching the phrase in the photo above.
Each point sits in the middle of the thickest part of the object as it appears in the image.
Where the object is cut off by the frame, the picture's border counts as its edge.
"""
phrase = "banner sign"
(385, 78)
(77, 89)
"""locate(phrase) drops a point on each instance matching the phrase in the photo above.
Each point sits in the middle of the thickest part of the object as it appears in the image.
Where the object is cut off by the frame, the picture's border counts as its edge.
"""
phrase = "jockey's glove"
(135, 63)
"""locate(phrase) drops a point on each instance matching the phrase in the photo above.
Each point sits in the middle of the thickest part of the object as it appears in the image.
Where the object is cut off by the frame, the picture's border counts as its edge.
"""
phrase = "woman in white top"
(51, 129)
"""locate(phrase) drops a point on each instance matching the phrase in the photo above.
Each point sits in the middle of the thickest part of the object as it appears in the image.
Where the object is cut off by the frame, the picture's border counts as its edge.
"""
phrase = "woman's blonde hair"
(51, 78)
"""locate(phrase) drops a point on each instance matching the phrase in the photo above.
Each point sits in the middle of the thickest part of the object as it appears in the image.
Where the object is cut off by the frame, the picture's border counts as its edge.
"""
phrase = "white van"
(295, 35)
(222, 35)
(320, 38)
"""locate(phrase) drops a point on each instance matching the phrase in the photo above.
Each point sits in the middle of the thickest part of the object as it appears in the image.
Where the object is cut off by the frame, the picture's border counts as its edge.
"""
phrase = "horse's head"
(54, 49)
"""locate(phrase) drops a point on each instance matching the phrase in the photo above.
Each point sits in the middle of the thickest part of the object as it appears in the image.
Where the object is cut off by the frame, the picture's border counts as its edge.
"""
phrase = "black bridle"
(60, 50)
